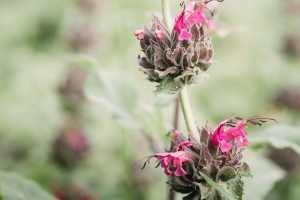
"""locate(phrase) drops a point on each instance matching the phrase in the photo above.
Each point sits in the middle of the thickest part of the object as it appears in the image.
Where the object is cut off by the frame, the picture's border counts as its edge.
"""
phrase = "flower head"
(178, 57)
(188, 158)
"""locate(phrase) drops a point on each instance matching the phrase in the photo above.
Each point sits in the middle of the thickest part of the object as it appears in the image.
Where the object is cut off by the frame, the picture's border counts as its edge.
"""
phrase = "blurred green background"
(80, 143)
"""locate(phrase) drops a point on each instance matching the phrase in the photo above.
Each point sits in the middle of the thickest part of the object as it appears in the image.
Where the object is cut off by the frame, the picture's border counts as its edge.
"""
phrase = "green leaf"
(226, 173)
(279, 136)
(236, 186)
(169, 86)
(113, 89)
(205, 189)
(16, 187)
(223, 192)
(265, 175)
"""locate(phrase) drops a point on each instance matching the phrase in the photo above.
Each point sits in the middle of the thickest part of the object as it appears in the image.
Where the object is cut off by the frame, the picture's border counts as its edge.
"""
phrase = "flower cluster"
(190, 16)
(218, 155)
(177, 58)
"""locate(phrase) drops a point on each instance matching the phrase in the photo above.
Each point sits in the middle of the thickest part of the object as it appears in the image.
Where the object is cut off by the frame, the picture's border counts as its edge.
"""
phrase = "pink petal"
(217, 134)
(186, 143)
(158, 34)
(180, 22)
(182, 155)
(139, 34)
(161, 155)
(179, 171)
(184, 35)
(197, 16)
(167, 171)
(165, 162)
(190, 8)
(225, 146)
(209, 24)
(175, 135)
(242, 141)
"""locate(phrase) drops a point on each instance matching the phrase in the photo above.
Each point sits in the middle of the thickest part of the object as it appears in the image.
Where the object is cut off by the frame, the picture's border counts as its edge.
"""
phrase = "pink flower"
(198, 16)
(238, 133)
(139, 34)
(158, 34)
(181, 26)
(189, 15)
(175, 134)
(173, 158)
(221, 137)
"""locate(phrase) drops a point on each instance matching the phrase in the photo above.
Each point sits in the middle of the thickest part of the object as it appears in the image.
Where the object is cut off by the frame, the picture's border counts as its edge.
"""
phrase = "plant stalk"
(187, 113)
(166, 13)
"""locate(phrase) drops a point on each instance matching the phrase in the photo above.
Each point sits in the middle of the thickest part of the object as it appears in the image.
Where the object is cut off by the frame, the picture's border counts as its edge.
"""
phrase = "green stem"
(166, 13)
(187, 113)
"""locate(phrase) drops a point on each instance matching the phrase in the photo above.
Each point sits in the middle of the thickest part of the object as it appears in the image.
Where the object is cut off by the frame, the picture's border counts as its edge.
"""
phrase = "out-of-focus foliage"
(42, 43)
(16, 187)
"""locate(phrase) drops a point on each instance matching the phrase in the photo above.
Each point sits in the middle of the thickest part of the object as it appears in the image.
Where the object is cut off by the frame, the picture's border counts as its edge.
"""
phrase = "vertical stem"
(166, 13)
(176, 114)
(187, 113)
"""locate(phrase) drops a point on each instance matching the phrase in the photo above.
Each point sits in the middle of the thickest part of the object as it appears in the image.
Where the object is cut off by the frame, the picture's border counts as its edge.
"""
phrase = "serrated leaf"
(219, 188)
(279, 136)
(169, 86)
(16, 187)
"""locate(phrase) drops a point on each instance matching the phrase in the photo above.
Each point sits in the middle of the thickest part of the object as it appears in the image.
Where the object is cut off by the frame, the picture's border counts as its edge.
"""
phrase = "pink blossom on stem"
(191, 16)
(238, 133)
(219, 138)
(173, 158)
(198, 16)
(222, 137)
(175, 134)
(181, 26)
(139, 34)
(158, 34)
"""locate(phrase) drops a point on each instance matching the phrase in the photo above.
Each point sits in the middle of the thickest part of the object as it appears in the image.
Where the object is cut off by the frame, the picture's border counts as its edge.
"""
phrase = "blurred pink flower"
(198, 16)
(158, 34)
(139, 34)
